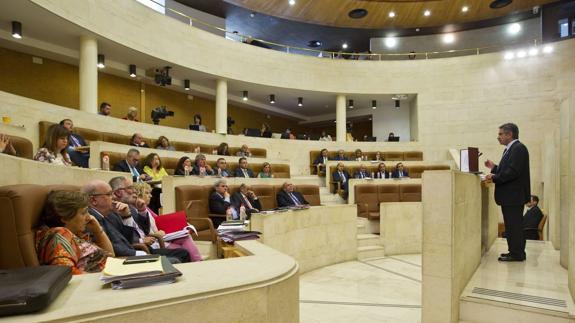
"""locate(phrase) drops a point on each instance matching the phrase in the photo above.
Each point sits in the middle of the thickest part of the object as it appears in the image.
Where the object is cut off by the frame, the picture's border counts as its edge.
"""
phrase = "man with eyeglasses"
(130, 165)
(289, 197)
(221, 204)
(221, 168)
(123, 192)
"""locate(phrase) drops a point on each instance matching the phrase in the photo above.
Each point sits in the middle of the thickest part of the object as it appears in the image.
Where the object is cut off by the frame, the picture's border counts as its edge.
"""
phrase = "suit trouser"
(513, 218)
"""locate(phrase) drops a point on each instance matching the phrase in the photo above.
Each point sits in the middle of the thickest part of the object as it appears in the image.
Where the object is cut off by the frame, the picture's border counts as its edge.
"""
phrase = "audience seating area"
(387, 156)
(278, 170)
(93, 135)
(199, 196)
(23, 146)
(369, 196)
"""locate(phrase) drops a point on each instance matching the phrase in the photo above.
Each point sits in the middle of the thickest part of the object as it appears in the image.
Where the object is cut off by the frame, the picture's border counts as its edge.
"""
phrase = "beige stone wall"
(400, 227)
(564, 148)
(571, 262)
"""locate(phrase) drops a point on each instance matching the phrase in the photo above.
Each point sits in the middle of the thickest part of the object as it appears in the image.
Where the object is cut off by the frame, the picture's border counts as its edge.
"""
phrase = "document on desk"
(464, 160)
(115, 267)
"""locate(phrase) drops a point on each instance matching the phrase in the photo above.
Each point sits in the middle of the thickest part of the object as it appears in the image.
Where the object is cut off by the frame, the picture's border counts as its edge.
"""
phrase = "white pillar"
(340, 117)
(88, 74)
(222, 106)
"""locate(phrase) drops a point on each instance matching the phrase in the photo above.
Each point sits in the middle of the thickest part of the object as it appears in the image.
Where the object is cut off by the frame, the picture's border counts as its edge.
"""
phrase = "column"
(88, 74)
(222, 106)
(340, 118)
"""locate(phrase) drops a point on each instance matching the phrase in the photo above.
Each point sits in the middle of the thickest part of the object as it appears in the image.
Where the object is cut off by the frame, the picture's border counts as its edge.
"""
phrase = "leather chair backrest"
(115, 157)
(195, 194)
(42, 130)
(89, 134)
(310, 193)
(415, 171)
(205, 149)
(183, 146)
(410, 192)
(116, 138)
(281, 170)
(388, 193)
(23, 147)
(258, 152)
(367, 195)
(266, 195)
(393, 155)
(412, 155)
(170, 164)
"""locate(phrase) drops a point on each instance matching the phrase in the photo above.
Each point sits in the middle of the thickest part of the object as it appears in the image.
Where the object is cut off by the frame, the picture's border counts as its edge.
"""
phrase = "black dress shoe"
(505, 254)
(510, 258)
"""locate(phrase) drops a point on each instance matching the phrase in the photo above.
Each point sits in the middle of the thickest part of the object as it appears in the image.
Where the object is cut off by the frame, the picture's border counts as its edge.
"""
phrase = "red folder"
(171, 222)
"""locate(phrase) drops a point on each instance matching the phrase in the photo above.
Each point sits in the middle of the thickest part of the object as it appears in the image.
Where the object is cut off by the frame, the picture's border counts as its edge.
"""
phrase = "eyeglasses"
(110, 193)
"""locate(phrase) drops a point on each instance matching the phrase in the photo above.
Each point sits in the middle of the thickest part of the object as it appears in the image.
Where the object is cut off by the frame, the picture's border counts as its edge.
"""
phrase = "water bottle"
(372, 175)
(106, 162)
(243, 215)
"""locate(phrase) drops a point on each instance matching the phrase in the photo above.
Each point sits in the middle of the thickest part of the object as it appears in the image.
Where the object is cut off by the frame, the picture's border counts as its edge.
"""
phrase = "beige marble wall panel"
(353, 182)
(451, 241)
(550, 199)
(400, 227)
(317, 237)
(490, 217)
(565, 203)
(206, 292)
(571, 148)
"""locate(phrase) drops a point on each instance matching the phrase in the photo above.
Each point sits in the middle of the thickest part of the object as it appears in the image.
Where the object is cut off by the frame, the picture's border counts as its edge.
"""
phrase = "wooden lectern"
(469, 160)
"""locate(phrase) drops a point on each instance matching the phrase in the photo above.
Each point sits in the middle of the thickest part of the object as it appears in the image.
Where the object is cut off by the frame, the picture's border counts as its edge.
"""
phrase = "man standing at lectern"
(512, 188)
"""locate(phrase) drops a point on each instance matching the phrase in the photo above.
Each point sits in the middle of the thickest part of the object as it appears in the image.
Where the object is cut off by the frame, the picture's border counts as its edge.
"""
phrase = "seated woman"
(54, 149)
(201, 167)
(378, 156)
(381, 172)
(244, 152)
(358, 155)
(400, 171)
(62, 239)
(153, 167)
(6, 146)
(144, 193)
(184, 166)
(223, 149)
(266, 171)
(198, 124)
(266, 131)
(164, 144)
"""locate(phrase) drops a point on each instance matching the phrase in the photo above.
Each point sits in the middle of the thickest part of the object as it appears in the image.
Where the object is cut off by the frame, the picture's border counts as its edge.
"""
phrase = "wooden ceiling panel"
(408, 13)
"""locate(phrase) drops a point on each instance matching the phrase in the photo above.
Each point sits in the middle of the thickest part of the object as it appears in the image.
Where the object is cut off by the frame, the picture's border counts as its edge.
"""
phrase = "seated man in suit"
(531, 219)
(221, 168)
(130, 165)
(243, 170)
(321, 161)
(220, 203)
(289, 197)
(362, 172)
(340, 155)
(246, 198)
(138, 141)
(123, 192)
(399, 172)
(78, 157)
(341, 176)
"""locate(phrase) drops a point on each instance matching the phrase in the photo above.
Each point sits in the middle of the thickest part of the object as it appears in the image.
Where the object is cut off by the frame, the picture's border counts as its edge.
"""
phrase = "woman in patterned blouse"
(54, 149)
(62, 238)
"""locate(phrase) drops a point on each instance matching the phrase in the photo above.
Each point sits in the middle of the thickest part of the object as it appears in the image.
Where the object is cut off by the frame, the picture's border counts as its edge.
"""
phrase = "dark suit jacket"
(318, 160)
(340, 158)
(283, 199)
(511, 177)
(358, 174)
(380, 175)
(237, 201)
(77, 157)
(122, 166)
(239, 173)
(218, 205)
(120, 235)
(336, 178)
(196, 171)
(395, 174)
(532, 218)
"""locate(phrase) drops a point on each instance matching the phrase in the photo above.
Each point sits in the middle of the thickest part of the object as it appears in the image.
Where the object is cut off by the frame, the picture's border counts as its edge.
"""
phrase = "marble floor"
(539, 283)
(374, 290)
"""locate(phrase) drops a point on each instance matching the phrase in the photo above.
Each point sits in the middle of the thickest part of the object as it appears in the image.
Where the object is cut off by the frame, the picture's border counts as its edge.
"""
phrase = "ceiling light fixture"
(344, 46)
(132, 70)
(514, 28)
(397, 104)
(391, 14)
(300, 102)
(101, 61)
(465, 9)
(245, 95)
(187, 85)
(509, 55)
(17, 29)
(448, 38)
(291, 2)
(548, 49)
(427, 13)
(272, 99)
(350, 104)
(374, 104)
(390, 42)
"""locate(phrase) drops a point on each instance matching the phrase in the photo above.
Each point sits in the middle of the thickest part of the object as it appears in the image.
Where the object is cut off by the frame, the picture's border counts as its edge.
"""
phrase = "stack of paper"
(139, 274)
(232, 236)
(237, 225)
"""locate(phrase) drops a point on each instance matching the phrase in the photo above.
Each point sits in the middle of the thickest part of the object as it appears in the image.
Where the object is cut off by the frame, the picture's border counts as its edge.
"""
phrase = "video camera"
(160, 112)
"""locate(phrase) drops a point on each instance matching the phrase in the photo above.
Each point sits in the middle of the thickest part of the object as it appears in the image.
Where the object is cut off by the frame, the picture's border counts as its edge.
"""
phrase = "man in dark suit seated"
(246, 198)
(400, 171)
(341, 176)
(289, 197)
(340, 155)
(79, 157)
(123, 192)
(362, 172)
(243, 170)
(130, 165)
(138, 141)
(221, 168)
(220, 203)
(532, 218)
(321, 161)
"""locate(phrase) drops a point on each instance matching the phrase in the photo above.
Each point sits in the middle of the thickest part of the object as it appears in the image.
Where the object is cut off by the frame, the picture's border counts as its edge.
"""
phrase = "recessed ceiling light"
(427, 13)
(391, 14)
(344, 46)
(509, 55)
(496, 4)
(291, 2)
(357, 13)
(465, 9)
(521, 54)
(548, 49)
(533, 51)
(514, 28)
(390, 42)
(314, 43)
(17, 29)
(448, 38)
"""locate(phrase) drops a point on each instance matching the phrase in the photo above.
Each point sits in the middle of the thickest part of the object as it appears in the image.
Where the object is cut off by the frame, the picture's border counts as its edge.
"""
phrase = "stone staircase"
(328, 198)
(368, 244)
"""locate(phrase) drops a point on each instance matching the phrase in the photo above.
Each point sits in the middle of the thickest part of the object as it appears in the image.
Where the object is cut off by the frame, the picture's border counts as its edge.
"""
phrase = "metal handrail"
(340, 54)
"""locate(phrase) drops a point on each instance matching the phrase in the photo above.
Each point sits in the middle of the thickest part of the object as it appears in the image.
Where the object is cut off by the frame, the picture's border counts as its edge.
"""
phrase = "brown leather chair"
(194, 200)
(541, 226)
(280, 171)
(183, 146)
(393, 156)
(258, 152)
(89, 134)
(310, 193)
(266, 195)
(412, 155)
(410, 192)
(116, 138)
(415, 171)
(367, 200)
(114, 157)
(388, 193)
(23, 147)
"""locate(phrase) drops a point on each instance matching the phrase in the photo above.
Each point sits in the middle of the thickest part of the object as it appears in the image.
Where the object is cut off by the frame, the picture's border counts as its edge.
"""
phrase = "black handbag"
(30, 289)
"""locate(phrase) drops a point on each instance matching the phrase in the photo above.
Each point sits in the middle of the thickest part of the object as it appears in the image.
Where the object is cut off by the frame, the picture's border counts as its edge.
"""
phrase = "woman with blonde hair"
(144, 193)
(266, 171)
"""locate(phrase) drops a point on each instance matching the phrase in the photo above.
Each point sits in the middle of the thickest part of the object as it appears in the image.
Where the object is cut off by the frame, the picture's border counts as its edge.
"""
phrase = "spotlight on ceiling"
(300, 102)
(291, 2)
(509, 55)
(390, 42)
(344, 45)
(397, 104)
(272, 99)
(357, 13)
(17, 29)
(548, 49)
(427, 13)
(521, 54)
(448, 38)
(465, 9)
(533, 51)
(391, 14)
(132, 70)
(187, 85)
(101, 61)
(350, 105)
(245, 95)
(514, 28)
(374, 104)
(496, 4)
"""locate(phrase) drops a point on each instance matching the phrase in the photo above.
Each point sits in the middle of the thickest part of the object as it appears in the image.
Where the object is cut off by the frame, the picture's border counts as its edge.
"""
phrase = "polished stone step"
(370, 252)
(368, 239)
